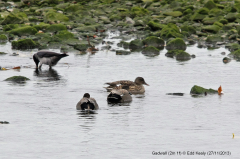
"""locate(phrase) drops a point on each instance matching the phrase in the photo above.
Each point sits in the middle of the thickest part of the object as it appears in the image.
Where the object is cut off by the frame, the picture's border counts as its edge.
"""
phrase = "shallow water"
(44, 122)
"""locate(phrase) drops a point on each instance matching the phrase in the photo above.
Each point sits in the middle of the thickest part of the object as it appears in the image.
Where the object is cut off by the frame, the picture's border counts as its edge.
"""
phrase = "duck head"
(140, 81)
(86, 95)
(36, 60)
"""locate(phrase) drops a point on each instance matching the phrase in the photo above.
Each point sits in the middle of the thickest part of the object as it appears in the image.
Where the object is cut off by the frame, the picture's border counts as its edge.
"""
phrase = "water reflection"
(86, 119)
(50, 75)
(87, 114)
(139, 95)
(119, 104)
(19, 83)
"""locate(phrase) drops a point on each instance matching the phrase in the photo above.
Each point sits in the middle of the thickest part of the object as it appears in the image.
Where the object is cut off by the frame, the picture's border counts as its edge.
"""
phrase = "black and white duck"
(47, 57)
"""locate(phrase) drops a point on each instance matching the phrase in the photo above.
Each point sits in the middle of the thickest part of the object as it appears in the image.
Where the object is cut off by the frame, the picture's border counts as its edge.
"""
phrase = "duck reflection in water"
(50, 75)
(86, 114)
(86, 120)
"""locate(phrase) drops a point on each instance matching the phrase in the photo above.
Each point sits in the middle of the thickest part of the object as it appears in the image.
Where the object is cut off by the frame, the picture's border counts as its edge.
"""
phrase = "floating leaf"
(220, 90)
(18, 67)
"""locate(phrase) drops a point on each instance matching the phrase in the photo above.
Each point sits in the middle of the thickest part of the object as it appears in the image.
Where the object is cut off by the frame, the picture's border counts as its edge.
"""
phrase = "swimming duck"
(87, 103)
(47, 57)
(119, 96)
(135, 87)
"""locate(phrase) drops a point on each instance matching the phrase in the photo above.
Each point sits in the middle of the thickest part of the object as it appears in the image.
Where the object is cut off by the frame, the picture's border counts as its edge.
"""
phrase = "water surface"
(44, 122)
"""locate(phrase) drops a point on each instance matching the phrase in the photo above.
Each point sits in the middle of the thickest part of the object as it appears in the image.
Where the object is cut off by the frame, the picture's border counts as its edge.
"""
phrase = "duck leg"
(40, 66)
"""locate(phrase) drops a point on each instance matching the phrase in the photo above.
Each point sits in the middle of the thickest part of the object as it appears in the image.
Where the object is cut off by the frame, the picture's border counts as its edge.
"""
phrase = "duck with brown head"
(135, 87)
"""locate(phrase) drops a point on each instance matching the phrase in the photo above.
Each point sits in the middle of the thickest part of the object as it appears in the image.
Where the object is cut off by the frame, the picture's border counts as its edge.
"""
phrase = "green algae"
(153, 41)
(135, 44)
(23, 44)
(28, 30)
(17, 79)
(197, 90)
(176, 44)
(150, 51)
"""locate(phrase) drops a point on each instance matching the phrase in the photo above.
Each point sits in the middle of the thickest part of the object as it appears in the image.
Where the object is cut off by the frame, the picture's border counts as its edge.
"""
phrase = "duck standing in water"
(119, 96)
(135, 87)
(87, 103)
(47, 57)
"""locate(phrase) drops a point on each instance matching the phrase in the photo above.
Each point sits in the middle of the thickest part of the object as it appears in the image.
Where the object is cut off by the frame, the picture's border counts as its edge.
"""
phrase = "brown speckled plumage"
(135, 87)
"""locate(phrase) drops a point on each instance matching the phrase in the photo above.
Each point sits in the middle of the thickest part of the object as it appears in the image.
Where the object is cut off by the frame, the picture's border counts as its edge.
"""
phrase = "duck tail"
(109, 89)
(87, 105)
(114, 98)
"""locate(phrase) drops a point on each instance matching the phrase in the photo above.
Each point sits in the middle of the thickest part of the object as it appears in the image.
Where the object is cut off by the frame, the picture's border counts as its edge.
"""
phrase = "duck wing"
(122, 82)
(92, 100)
(119, 96)
(120, 92)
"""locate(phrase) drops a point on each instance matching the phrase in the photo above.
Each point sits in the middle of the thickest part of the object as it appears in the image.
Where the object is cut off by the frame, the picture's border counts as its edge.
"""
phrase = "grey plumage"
(47, 57)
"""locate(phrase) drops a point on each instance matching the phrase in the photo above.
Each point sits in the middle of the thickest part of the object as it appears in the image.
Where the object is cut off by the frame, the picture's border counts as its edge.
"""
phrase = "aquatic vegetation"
(213, 38)
(123, 44)
(15, 18)
(211, 28)
(122, 52)
(170, 31)
(3, 53)
(208, 21)
(55, 27)
(136, 44)
(55, 16)
(210, 4)
(81, 47)
(197, 90)
(64, 34)
(3, 38)
(153, 41)
(150, 51)
(10, 27)
(28, 30)
(17, 79)
(155, 26)
(231, 17)
(235, 54)
(24, 44)
(41, 26)
(176, 44)
(179, 55)
(174, 13)
(189, 29)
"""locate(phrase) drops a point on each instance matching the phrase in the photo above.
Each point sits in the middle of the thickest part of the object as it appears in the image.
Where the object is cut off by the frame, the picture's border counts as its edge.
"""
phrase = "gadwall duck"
(87, 103)
(135, 87)
(119, 96)
(47, 57)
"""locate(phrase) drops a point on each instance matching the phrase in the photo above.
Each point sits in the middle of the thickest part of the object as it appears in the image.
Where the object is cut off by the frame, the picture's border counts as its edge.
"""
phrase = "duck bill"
(146, 84)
